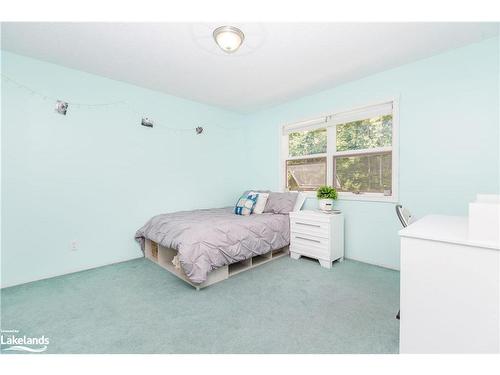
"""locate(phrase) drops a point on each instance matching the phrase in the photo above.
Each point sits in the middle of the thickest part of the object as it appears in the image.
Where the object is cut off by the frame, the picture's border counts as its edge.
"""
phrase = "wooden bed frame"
(163, 257)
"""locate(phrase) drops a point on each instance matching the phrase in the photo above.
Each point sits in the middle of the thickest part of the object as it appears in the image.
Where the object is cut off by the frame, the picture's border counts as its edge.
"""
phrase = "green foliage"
(369, 133)
(326, 192)
(307, 142)
(364, 173)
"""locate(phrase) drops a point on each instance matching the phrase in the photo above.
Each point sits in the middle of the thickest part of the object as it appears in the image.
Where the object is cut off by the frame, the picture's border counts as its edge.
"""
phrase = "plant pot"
(325, 204)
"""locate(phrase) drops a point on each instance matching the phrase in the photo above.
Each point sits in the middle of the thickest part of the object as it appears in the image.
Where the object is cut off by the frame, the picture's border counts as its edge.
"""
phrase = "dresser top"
(442, 228)
(314, 214)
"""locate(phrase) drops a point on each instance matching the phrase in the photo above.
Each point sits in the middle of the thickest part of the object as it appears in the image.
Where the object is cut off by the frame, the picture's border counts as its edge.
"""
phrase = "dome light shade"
(229, 38)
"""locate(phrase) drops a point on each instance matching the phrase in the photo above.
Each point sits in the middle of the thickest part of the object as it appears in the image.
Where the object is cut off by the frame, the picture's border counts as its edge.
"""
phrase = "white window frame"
(322, 122)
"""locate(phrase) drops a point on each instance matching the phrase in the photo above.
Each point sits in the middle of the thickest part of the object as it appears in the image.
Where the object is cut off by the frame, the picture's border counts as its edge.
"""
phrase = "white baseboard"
(79, 269)
(374, 264)
(49, 276)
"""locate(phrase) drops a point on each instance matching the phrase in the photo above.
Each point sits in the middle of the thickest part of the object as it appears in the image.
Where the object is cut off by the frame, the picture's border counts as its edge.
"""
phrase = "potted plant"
(326, 195)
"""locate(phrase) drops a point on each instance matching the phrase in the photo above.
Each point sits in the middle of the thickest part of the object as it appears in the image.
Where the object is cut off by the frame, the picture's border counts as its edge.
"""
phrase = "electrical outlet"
(73, 245)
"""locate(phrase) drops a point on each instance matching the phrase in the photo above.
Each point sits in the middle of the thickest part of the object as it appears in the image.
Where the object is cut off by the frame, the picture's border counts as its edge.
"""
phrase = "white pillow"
(261, 202)
(299, 202)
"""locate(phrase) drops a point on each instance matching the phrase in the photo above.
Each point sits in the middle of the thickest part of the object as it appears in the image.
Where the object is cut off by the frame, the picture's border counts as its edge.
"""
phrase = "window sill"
(356, 197)
(367, 198)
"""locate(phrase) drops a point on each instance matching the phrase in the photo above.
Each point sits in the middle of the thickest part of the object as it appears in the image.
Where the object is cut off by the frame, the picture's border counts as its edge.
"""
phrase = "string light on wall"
(146, 122)
(61, 107)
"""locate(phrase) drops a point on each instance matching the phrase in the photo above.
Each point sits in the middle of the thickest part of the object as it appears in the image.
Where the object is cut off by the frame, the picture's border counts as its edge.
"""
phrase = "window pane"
(305, 174)
(308, 142)
(364, 173)
(364, 134)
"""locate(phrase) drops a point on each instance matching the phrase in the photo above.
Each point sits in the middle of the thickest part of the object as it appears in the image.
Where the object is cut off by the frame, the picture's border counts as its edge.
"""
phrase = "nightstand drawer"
(310, 227)
(306, 240)
(309, 251)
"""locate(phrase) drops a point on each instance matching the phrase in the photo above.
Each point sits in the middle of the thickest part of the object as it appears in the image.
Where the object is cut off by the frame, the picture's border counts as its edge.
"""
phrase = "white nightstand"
(315, 234)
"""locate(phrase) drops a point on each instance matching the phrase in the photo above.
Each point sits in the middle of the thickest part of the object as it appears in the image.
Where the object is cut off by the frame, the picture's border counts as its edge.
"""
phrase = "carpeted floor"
(285, 306)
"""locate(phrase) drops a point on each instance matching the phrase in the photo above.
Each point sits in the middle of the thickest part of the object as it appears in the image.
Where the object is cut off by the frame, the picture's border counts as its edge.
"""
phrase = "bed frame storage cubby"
(238, 267)
(151, 250)
(163, 257)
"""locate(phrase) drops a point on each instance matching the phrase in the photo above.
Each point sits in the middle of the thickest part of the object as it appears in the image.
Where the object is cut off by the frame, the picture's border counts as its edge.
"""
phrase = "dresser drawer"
(310, 251)
(310, 227)
(307, 241)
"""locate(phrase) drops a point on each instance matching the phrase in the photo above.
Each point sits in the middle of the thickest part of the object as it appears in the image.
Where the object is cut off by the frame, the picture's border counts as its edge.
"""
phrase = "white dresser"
(450, 289)
(315, 234)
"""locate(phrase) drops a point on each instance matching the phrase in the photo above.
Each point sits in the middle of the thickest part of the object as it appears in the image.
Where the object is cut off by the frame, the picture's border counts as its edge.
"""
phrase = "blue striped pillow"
(245, 204)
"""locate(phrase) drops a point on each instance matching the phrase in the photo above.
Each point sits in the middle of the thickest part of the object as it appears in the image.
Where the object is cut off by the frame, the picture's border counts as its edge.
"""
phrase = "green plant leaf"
(326, 192)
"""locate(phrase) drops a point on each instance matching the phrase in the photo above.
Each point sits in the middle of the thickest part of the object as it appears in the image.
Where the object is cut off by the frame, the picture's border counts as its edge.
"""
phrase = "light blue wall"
(449, 134)
(95, 175)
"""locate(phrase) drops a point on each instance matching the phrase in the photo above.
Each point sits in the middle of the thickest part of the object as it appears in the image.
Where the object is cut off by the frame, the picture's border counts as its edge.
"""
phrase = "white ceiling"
(276, 63)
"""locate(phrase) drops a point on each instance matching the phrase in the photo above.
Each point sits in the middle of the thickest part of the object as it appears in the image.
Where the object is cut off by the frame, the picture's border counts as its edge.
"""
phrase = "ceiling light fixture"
(229, 38)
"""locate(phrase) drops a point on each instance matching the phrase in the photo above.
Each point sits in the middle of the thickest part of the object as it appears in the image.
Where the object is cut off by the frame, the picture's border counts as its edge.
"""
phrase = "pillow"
(245, 204)
(255, 191)
(261, 203)
(301, 199)
(281, 203)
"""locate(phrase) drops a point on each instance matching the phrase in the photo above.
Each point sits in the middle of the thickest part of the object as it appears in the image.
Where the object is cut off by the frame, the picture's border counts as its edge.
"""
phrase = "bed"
(206, 246)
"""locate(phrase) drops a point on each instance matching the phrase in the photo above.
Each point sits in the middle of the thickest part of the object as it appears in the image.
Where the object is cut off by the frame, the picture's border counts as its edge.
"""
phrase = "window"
(305, 174)
(306, 157)
(354, 151)
(363, 173)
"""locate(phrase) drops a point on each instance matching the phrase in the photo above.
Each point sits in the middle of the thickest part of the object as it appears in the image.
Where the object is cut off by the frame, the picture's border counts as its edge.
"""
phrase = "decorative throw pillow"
(245, 204)
(261, 203)
(281, 203)
(246, 192)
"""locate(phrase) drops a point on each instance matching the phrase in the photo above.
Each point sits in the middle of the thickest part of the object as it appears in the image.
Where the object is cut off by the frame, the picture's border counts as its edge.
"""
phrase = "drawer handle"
(307, 239)
(309, 225)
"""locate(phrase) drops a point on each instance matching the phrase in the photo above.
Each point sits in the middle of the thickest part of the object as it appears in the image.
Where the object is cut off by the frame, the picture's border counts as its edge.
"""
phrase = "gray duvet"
(212, 238)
